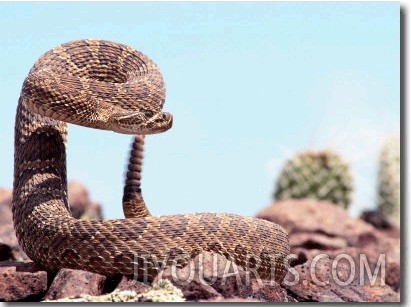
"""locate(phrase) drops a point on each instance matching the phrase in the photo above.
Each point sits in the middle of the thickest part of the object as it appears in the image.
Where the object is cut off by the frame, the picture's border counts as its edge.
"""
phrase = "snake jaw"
(141, 122)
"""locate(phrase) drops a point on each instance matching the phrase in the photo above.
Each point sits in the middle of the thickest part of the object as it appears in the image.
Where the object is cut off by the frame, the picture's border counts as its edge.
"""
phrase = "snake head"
(141, 122)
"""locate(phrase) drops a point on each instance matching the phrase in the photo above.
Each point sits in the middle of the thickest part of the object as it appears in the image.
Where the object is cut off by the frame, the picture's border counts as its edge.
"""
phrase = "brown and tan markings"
(110, 86)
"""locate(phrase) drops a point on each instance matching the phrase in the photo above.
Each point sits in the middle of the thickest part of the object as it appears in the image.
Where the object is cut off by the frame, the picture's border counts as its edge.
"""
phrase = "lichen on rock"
(163, 291)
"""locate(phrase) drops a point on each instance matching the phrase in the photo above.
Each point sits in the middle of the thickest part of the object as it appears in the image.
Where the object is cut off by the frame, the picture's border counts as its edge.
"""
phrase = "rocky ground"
(334, 258)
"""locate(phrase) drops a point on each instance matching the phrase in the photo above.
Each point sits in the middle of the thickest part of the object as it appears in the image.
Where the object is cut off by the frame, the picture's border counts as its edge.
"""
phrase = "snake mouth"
(142, 122)
(159, 122)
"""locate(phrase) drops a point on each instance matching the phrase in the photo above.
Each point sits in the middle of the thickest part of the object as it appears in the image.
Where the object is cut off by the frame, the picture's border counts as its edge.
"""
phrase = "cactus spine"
(321, 175)
(388, 185)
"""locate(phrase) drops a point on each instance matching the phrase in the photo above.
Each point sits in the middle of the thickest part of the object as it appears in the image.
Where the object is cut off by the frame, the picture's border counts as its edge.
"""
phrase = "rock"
(322, 226)
(115, 290)
(316, 241)
(323, 280)
(313, 216)
(376, 218)
(5, 197)
(197, 277)
(9, 246)
(163, 291)
(210, 276)
(231, 300)
(381, 222)
(80, 204)
(197, 291)
(129, 284)
(270, 292)
(393, 276)
(78, 198)
(318, 227)
(69, 283)
(379, 294)
(114, 297)
(21, 281)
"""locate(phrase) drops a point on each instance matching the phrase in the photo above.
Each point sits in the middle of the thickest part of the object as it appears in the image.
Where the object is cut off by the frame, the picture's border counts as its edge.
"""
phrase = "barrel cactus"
(388, 185)
(321, 175)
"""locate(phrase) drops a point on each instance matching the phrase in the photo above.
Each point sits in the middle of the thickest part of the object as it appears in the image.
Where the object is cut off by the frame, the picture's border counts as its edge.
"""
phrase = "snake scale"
(105, 85)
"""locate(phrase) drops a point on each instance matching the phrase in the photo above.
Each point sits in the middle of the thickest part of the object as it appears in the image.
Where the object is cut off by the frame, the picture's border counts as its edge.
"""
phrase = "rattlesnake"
(110, 86)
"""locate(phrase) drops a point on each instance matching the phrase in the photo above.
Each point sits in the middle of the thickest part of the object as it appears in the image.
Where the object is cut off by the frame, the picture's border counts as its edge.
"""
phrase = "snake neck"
(40, 183)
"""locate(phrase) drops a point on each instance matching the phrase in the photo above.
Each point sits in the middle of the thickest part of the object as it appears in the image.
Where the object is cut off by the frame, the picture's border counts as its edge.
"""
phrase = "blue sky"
(248, 84)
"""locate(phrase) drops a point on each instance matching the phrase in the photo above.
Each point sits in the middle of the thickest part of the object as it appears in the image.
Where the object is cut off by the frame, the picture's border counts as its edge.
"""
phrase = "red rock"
(231, 300)
(329, 281)
(393, 276)
(377, 219)
(9, 246)
(130, 284)
(80, 204)
(197, 291)
(78, 196)
(5, 197)
(69, 283)
(269, 292)
(21, 281)
(210, 276)
(318, 227)
(313, 216)
(316, 241)
(380, 294)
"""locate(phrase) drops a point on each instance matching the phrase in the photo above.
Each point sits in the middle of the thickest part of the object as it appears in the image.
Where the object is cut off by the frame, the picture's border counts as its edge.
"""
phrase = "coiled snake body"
(110, 86)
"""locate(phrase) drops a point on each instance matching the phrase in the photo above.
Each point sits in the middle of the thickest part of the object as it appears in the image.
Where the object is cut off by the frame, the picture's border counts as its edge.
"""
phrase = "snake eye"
(148, 113)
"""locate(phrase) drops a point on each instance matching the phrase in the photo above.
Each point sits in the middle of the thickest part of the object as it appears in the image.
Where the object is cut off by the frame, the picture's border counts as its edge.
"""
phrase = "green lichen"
(163, 291)
(115, 296)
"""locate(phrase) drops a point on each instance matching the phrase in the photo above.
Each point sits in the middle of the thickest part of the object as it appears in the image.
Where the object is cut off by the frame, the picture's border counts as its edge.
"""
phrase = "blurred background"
(248, 84)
